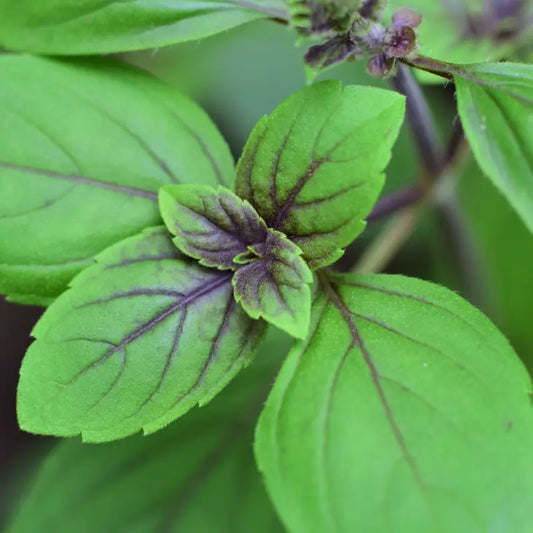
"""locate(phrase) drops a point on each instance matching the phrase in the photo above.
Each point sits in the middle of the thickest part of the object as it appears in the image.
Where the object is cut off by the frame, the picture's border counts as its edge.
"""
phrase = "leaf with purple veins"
(140, 338)
(213, 226)
(276, 285)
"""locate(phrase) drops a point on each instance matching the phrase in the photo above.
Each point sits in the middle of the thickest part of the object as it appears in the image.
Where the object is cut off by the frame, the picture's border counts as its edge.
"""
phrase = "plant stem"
(412, 201)
(395, 201)
(420, 120)
(463, 248)
(398, 230)
(439, 68)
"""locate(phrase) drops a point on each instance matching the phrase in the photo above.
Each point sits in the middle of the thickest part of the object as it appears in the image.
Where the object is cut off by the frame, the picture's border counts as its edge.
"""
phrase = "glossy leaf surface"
(198, 474)
(102, 26)
(313, 168)
(84, 148)
(274, 285)
(139, 339)
(213, 226)
(495, 103)
(404, 410)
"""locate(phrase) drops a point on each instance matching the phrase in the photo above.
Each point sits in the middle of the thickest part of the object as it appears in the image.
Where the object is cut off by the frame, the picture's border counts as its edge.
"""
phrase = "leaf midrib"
(129, 191)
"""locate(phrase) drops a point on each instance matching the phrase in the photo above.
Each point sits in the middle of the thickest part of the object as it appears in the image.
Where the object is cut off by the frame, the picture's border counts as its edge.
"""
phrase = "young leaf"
(213, 226)
(139, 339)
(64, 27)
(198, 474)
(313, 169)
(495, 103)
(275, 285)
(404, 408)
(84, 148)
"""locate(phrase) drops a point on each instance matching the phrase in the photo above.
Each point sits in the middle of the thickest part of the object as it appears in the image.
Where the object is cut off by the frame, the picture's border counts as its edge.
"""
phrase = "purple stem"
(395, 201)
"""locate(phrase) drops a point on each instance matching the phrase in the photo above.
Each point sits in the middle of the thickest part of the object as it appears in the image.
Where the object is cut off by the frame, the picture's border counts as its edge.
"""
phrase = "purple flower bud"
(402, 42)
(379, 65)
(406, 17)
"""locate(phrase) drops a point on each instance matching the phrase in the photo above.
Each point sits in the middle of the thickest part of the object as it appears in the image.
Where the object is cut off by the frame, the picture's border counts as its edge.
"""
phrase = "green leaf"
(275, 285)
(313, 169)
(196, 475)
(495, 103)
(64, 27)
(404, 410)
(213, 226)
(129, 347)
(84, 148)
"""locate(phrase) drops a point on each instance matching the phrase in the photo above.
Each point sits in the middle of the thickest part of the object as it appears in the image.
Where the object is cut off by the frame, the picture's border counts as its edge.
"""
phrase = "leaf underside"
(195, 475)
(63, 27)
(139, 339)
(80, 171)
(213, 226)
(313, 168)
(404, 410)
(495, 103)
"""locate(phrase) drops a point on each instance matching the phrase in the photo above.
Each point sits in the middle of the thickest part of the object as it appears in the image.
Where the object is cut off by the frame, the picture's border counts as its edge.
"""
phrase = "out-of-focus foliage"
(505, 250)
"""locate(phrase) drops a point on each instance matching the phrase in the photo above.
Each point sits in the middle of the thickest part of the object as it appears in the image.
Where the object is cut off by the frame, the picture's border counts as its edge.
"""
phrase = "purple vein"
(137, 138)
(201, 143)
(423, 401)
(45, 205)
(391, 292)
(130, 191)
(420, 343)
(323, 199)
(357, 339)
(168, 364)
(174, 254)
(47, 135)
(154, 322)
(131, 293)
(213, 351)
(275, 168)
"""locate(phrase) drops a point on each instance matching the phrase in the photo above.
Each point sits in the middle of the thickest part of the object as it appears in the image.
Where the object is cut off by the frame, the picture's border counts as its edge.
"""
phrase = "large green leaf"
(495, 103)
(196, 475)
(405, 410)
(102, 26)
(313, 168)
(129, 347)
(84, 148)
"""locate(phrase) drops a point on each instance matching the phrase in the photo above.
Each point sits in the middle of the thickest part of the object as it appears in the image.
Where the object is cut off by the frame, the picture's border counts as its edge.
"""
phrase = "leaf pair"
(222, 231)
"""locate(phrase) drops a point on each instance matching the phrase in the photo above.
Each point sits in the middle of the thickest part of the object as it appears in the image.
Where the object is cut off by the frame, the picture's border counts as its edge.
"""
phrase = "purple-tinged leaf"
(140, 338)
(314, 168)
(276, 285)
(213, 226)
